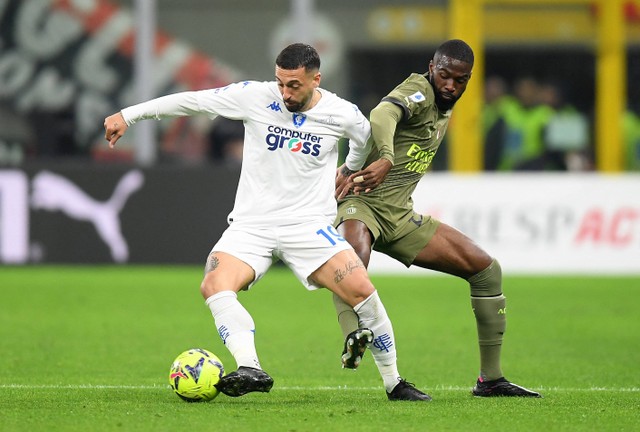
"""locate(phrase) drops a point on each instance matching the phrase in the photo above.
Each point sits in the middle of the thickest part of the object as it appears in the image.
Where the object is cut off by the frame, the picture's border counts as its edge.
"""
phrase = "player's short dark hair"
(457, 49)
(298, 55)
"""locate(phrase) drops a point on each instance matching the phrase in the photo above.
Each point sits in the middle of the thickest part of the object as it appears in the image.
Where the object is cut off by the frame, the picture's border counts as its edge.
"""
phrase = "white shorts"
(303, 247)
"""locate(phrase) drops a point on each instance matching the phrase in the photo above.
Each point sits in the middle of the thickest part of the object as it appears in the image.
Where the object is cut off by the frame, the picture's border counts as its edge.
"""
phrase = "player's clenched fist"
(114, 128)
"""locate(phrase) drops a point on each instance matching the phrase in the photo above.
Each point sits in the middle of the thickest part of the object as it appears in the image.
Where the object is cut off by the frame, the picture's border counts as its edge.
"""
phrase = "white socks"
(235, 327)
(373, 316)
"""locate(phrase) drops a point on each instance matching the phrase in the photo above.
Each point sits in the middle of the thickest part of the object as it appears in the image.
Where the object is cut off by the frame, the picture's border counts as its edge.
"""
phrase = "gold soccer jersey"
(417, 138)
(388, 209)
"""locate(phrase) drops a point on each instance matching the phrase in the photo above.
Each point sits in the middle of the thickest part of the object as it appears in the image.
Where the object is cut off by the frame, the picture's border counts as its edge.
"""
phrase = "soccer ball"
(194, 374)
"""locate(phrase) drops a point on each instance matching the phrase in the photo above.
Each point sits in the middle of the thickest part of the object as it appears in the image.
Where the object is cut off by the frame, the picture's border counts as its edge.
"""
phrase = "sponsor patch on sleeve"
(417, 97)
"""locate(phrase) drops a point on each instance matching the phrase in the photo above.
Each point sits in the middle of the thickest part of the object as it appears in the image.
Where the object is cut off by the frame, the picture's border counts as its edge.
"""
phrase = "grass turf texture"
(89, 348)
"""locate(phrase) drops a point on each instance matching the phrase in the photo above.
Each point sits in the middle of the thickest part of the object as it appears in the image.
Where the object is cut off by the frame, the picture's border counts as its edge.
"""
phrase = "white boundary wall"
(538, 223)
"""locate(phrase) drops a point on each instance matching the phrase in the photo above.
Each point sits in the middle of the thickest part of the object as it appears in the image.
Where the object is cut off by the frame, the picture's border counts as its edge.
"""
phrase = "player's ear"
(316, 79)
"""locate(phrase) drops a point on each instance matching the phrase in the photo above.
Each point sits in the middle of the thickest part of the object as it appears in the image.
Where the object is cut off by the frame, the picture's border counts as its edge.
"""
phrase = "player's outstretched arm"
(114, 127)
(173, 105)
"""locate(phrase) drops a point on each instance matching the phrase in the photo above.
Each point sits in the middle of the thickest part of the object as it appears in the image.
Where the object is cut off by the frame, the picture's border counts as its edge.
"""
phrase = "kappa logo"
(275, 106)
(54, 192)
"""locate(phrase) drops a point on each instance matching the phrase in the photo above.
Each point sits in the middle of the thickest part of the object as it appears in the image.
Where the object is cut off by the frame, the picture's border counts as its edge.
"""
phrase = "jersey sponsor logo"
(421, 159)
(417, 97)
(275, 106)
(295, 141)
(299, 119)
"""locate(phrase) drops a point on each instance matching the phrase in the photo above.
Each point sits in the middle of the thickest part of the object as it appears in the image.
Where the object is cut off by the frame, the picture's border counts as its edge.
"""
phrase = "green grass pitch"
(89, 349)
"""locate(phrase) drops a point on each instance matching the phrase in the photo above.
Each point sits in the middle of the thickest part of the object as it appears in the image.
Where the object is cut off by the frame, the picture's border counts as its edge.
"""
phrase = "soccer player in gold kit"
(375, 210)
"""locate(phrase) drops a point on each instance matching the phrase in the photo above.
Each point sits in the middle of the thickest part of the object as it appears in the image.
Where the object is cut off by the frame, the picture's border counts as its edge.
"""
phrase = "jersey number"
(331, 235)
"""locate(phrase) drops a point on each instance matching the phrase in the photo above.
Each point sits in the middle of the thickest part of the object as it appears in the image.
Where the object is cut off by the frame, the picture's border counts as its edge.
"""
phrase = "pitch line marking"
(297, 388)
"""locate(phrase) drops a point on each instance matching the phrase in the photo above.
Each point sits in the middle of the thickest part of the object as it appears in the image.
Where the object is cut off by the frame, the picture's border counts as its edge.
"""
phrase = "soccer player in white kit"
(284, 207)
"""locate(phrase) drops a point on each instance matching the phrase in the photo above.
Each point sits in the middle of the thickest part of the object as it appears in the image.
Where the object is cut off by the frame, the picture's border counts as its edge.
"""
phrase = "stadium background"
(164, 194)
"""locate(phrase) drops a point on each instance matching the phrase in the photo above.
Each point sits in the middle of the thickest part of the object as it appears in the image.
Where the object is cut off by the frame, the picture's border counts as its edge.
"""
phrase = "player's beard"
(297, 106)
(293, 108)
(442, 103)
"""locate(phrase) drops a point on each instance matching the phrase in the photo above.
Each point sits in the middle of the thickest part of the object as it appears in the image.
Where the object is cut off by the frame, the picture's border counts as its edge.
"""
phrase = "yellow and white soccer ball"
(194, 374)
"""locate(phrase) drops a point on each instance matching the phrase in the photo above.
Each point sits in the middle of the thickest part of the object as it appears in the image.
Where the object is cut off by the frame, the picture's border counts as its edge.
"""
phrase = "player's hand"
(371, 177)
(342, 181)
(114, 128)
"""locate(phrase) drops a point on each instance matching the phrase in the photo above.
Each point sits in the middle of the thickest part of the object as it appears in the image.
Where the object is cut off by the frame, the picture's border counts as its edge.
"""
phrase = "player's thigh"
(410, 234)
(358, 235)
(304, 247)
(225, 272)
(345, 275)
(450, 251)
(240, 258)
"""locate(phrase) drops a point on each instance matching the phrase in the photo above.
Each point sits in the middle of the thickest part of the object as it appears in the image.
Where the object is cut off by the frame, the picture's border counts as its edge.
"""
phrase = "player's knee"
(353, 290)
(488, 282)
(205, 287)
(210, 285)
(358, 292)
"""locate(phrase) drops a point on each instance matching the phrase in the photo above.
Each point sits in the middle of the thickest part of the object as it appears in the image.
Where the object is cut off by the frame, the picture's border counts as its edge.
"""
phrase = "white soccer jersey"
(289, 159)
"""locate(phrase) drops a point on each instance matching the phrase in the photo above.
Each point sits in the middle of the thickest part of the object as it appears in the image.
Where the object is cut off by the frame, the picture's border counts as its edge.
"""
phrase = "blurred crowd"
(532, 125)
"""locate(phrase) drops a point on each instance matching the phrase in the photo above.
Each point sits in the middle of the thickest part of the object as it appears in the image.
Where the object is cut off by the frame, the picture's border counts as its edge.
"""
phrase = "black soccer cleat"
(406, 391)
(501, 387)
(355, 345)
(245, 380)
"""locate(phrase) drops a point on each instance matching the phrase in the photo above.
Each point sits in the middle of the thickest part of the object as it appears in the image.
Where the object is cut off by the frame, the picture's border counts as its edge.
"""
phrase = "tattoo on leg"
(348, 269)
(212, 263)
